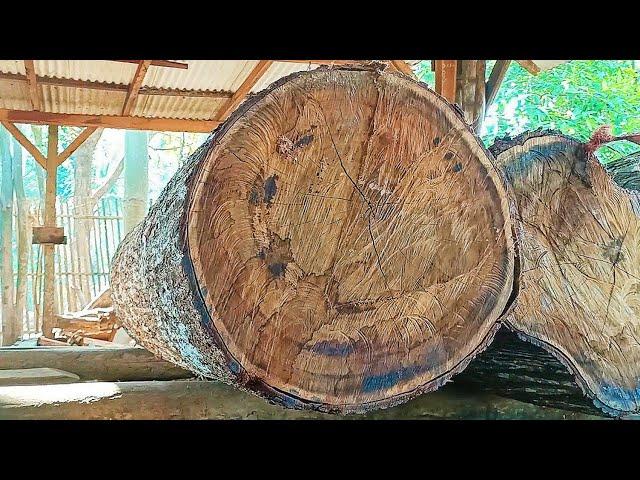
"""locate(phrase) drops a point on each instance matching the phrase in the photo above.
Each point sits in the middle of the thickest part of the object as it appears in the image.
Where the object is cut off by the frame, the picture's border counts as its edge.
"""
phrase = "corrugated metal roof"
(201, 76)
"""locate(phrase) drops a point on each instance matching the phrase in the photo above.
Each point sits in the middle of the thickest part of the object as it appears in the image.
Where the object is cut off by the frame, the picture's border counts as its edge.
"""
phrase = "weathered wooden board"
(199, 400)
(104, 363)
(36, 376)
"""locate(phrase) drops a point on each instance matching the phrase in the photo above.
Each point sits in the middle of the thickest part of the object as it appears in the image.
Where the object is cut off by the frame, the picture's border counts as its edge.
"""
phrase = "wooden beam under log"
(108, 121)
(108, 364)
(202, 400)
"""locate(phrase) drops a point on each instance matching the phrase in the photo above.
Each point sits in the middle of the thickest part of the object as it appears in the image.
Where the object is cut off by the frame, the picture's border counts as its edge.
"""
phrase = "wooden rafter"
(403, 67)
(134, 87)
(446, 78)
(73, 146)
(160, 63)
(24, 141)
(529, 66)
(32, 84)
(495, 80)
(254, 76)
(323, 62)
(108, 121)
(117, 87)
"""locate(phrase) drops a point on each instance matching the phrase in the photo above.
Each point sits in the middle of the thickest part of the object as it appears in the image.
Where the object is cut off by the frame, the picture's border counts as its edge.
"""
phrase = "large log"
(103, 363)
(341, 243)
(201, 400)
(578, 289)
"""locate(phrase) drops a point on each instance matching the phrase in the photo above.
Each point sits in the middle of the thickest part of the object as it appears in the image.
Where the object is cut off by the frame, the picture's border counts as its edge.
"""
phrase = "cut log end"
(579, 247)
(346, 245)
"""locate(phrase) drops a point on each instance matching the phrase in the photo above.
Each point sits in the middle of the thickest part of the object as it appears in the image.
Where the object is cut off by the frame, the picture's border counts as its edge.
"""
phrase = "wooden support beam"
(446, 71)
(159, 63)
(24, 141)
(73, 146)
(531, 67)
(104, 364)
(254, 76)
(498, 73)
(36, 376)
(32, 84)
(200, 400)
(134, 87)
(117, 87)
(48, 314)
(324, 62)
(108, 121)
(403, 67)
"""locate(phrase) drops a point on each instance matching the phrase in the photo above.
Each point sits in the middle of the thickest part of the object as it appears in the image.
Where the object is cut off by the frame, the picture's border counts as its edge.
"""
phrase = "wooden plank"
(498, 73)
(134, 87)
(107, 121)
(24, 141)
(73, 146)
(32, 84)
(529, 66)
(50, 342)
(200, 400)
(159, 63)
(446, 78)
(117, 87)
(36, 376)
(254, 76)
(53, 235)
(105, 364)
(324, 62)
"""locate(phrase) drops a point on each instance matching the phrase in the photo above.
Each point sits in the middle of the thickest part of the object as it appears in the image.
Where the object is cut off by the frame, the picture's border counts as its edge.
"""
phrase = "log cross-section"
(341, 243)
(30, 71)
(134, 87)
(254, 76)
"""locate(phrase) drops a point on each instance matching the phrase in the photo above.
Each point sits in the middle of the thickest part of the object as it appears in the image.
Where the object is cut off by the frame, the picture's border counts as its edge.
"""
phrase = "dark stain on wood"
(270, 189)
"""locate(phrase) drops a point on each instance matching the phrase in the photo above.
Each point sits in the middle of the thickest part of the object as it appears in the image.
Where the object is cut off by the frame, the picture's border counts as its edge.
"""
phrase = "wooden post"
(50, 221)
(446, 78)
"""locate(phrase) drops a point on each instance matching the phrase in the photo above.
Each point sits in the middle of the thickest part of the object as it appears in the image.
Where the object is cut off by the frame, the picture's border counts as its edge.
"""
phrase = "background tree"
(136, 178)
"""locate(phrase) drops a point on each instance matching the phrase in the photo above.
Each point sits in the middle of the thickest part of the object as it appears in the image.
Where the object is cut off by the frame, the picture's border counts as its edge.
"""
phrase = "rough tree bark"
(341, 243)
(579, 261)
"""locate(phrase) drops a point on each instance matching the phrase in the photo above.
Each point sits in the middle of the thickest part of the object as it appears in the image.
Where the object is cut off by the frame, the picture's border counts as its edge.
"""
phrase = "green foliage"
(576, 98)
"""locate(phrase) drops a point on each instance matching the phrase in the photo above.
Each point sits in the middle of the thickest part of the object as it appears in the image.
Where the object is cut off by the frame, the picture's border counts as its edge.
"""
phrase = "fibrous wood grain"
(579, 252)
(341, 243)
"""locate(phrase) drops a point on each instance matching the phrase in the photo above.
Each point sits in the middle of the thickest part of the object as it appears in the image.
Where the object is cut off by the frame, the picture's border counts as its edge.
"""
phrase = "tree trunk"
(83, 205)
(470, 91)
(578, 293)
(9, 334)
(341, 243)
(136, 178)
(23, 237)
